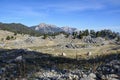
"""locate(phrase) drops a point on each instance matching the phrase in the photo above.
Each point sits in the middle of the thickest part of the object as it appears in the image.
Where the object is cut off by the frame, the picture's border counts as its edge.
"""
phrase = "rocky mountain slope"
(69, 29)
(48, 28)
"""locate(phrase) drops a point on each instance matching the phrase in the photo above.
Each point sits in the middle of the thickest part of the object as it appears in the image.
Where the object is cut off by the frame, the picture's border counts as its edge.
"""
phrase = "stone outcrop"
(89, 39)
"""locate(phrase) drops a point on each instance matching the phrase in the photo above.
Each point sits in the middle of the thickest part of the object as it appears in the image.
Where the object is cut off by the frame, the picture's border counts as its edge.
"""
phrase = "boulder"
(63, 54)
(19, 58)
(92, 75)
(89, 53)
(2, 45)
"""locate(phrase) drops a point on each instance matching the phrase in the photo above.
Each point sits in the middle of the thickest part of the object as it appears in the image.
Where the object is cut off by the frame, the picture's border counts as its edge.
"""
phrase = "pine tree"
(118, 38)
(74, 35)
(98, 34)
(45, 36)
(80, 36)
(15, 33)
(92, 33)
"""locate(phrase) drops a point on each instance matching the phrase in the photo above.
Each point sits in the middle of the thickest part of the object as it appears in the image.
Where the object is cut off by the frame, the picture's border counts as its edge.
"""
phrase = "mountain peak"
(50, 28)
(69, 29)
(47, 28)
(46, 25)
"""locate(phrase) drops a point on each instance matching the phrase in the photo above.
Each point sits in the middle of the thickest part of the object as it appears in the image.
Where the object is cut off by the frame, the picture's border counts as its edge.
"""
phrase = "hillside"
(18, 28)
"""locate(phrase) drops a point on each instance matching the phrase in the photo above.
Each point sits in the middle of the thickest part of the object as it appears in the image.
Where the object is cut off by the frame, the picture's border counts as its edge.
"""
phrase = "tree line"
(106, 33)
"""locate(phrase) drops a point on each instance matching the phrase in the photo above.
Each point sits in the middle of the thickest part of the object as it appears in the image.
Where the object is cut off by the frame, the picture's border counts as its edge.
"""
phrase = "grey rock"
(89, 39)
(2, 45)
(92, 75)
(30, 40)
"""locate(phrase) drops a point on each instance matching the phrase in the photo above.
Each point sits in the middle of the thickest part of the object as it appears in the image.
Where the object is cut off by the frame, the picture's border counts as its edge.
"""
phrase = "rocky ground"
(23, 58)
(22, 64)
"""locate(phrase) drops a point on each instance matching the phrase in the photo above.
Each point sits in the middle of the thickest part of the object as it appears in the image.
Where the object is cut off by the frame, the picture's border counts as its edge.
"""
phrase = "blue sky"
(82, 14)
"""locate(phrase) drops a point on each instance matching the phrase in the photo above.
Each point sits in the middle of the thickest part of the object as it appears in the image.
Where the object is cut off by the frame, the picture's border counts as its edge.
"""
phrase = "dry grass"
(49, 46)
(71, 53)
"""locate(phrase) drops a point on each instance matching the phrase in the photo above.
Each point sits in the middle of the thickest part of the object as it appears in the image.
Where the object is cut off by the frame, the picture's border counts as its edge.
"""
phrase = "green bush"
(8, 38)
(45, 36)
(15, 33)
